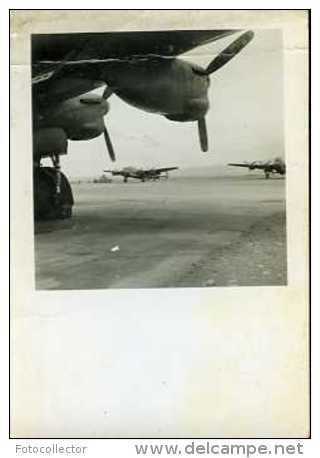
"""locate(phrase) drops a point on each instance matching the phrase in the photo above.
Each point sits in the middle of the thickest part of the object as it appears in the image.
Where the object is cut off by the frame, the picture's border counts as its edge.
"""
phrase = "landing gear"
(52, 192)
(267, 174)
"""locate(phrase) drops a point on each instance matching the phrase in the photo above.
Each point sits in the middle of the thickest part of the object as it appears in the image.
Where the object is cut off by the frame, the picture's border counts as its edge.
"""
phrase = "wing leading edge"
(117, 45)
(239, 165)
(164, 169)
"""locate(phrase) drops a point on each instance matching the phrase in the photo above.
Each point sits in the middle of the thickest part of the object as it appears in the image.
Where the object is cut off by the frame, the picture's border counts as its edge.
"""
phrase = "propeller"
(106, 94)
(109, 144)
(92, 99)
(229, 52)
(202, 128)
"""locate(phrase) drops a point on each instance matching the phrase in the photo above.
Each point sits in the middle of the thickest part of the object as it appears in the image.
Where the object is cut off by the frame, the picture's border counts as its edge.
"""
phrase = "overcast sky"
(245, 121)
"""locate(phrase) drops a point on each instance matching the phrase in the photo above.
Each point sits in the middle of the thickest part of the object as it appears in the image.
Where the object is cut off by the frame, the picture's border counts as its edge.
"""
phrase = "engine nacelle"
(81, 118)
(86, 131)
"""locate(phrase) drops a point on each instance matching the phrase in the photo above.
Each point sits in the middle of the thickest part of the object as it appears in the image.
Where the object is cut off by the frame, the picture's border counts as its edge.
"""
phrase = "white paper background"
(161, 363)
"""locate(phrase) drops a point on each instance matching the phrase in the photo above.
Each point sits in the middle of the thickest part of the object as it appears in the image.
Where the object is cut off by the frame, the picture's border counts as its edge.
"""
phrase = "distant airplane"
(276, 165)
(142, 174)
(102, 179)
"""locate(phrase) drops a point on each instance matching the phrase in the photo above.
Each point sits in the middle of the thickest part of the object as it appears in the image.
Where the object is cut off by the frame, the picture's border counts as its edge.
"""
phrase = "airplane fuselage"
(270, 166)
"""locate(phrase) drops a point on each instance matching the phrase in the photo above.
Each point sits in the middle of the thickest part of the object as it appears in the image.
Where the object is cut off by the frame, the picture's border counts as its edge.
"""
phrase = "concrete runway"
(184, 232)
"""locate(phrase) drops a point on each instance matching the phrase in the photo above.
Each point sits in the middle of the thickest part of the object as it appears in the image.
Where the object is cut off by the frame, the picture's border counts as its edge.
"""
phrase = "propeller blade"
(107, 93)
(203, 136)
(109, 144)
(229, 52)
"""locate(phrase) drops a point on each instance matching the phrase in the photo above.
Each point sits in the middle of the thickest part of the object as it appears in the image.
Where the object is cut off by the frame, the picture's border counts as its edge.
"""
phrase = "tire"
(48, 206)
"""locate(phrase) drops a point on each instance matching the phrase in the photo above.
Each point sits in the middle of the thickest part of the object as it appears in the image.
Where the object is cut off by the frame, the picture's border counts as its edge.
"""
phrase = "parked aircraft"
(142, 174)
(276, 165)
(141, 68)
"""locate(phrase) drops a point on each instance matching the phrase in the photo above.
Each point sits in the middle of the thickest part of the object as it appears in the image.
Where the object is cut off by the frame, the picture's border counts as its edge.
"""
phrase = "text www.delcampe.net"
(208, 448)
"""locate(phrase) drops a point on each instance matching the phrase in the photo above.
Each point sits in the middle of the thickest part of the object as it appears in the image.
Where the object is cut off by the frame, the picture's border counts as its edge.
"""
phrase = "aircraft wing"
(164, 169)
(81, 54)
(239, 165)
(54, 48)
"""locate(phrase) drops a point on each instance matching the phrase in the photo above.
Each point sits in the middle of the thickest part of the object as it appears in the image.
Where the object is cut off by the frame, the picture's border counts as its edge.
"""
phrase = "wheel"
(48, 205)
(267, 175)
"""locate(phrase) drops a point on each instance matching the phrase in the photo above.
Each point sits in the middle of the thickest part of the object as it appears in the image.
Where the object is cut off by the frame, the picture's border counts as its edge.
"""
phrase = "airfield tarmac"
(181, 232)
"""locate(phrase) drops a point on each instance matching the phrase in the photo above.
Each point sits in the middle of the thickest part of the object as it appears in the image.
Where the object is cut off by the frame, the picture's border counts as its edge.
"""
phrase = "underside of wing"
(67, 65)
(52, 48)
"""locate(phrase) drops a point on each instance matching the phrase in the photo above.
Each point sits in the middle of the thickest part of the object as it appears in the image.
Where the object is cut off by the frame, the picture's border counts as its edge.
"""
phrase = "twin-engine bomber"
(276, 165)
(142, 174)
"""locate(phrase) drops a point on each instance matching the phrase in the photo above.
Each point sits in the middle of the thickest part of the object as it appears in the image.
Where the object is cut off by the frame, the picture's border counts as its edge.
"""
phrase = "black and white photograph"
(159, 225)
(159, 159)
